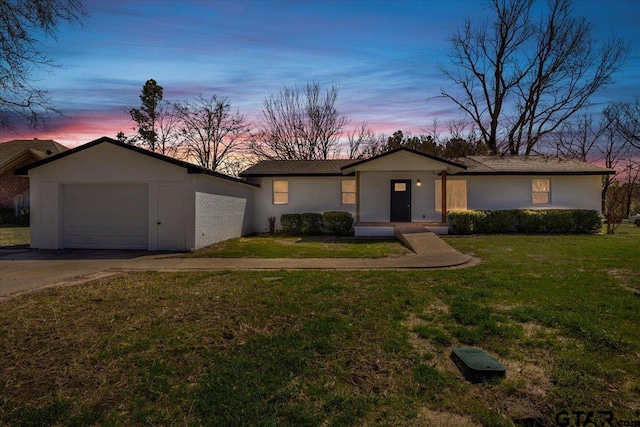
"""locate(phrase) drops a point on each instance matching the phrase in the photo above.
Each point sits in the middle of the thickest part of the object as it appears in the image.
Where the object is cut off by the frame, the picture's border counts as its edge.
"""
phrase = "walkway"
(22, 270)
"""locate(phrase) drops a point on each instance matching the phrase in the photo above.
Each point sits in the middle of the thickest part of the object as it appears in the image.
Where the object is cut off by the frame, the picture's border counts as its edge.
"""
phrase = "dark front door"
(400, 200)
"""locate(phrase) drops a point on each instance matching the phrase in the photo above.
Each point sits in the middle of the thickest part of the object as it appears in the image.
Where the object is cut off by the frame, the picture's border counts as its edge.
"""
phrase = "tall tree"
(519, 80)
(146, 116)
(21, 24)
(213, 133)
(295, 126)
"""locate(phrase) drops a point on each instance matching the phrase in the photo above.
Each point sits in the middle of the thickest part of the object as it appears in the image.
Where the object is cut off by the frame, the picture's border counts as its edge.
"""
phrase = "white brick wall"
(218, 218)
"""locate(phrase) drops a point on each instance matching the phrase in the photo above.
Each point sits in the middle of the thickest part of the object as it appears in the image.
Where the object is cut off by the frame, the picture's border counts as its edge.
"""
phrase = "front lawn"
(267, 246)
(336, 348)
(13, 236)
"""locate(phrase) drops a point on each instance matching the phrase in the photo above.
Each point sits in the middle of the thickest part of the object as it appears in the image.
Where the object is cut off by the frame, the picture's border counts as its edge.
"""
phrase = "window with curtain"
(348, 192)
(540, 191)
(456, 195)
(280, 192)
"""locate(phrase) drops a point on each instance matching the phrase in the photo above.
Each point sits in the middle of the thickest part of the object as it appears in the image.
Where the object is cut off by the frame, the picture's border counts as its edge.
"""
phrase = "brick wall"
(11, 186)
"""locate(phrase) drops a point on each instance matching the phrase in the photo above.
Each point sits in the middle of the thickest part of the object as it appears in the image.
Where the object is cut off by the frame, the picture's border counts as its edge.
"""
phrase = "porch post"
(357, 197)
(443, 205)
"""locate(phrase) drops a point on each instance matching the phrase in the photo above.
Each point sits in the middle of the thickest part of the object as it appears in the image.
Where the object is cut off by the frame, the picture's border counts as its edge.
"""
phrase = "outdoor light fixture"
(418, 183)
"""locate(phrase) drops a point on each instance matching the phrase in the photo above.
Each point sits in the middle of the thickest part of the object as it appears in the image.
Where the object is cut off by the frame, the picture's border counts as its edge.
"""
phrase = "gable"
(403, 160)
(117, 162)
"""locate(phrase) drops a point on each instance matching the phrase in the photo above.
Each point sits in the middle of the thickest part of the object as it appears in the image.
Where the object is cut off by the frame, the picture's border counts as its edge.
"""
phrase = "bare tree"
(168, 127)
(579, 139)
(211, 131)
(625, 118)
(299, 127)
(364, 143)
(21, 22)
(521, 79)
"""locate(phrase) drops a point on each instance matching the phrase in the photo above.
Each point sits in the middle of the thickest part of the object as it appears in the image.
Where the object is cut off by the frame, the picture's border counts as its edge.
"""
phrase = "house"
(14, 190)
(110, 195)
(404, 185)
(106, 194)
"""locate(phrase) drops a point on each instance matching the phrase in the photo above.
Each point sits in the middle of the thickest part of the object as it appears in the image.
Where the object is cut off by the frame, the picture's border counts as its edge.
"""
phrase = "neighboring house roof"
(297, 168)
(528, 165)
(16, 152)
(190, 167)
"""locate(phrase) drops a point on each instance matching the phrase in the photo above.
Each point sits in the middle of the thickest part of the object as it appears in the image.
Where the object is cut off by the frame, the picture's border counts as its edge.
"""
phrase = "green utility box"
(477, 365)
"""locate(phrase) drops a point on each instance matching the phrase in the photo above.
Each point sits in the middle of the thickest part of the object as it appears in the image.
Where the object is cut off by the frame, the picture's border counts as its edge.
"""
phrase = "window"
(348, 192)
(280, 192)
(456, 195)
(540, 191)
(400, 186)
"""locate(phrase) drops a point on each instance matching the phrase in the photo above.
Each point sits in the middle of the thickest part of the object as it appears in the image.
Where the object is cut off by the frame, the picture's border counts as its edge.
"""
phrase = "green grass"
(335, 348)
(267, 246)
(12, 236)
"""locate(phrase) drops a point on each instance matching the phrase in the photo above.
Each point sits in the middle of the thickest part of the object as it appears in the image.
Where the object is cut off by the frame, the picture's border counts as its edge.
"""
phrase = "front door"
(400, 200)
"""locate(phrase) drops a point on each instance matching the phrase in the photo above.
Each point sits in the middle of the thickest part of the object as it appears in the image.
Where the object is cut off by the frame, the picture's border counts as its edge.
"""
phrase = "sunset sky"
(383, 55)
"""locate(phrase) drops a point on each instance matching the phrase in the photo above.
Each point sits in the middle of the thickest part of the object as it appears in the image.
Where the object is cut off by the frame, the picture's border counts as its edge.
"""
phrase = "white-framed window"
(280, 192)
(456, 195)
(540, 191)
(348, 191)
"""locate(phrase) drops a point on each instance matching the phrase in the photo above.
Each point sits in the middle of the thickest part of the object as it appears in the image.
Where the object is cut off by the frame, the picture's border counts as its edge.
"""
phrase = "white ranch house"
(106, 194)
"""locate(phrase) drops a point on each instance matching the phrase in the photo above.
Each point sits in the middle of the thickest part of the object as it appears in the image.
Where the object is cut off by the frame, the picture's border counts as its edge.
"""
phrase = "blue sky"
(383, 55)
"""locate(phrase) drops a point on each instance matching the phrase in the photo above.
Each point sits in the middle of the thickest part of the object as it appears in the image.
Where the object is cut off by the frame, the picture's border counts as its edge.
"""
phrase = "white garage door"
(106, 216)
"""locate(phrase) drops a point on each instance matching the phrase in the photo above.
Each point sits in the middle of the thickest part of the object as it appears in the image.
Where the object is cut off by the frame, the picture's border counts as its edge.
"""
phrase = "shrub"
(24, 217)
(530, 221)
(464, 222)
(588, 221)
(525, 221)
(310, 223)
(496, 222)
(337, 222)
(271, 221)
(291, 223)
(7, 215)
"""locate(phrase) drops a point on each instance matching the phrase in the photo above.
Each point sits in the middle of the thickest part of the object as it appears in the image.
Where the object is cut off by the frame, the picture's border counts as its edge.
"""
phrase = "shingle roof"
(40, 148)
(297, 168)
(528, 165)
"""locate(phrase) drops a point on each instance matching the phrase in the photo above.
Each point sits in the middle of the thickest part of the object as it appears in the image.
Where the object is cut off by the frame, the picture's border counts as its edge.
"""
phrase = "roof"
(408, 150)
(297, 168)
(334, 167)
(190, 167)
(15, 152)
(528, 165)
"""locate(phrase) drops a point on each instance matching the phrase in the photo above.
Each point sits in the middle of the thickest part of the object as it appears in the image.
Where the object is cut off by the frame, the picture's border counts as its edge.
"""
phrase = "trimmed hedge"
(311, 223)
(338, 222)
(291, 223)
(552, 221)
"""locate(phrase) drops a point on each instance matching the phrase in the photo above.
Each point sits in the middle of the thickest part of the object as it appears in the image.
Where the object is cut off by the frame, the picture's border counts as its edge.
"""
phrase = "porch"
(388, 229)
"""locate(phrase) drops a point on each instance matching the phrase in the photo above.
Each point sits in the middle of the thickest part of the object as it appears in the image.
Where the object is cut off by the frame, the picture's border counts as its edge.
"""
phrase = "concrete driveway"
(26, 269)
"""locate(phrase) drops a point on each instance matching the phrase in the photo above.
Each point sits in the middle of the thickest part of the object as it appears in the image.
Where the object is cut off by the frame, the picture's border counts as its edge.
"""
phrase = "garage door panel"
(106, 216)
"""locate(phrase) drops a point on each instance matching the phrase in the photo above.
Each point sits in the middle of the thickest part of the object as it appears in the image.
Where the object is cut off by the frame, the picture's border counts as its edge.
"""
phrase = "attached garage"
(109, 195)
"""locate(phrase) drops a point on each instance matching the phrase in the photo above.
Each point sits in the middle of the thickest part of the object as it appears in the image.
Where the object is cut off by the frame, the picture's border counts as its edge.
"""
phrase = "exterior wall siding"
(306, 194)
(514, 192)
(375, 195)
